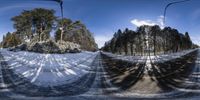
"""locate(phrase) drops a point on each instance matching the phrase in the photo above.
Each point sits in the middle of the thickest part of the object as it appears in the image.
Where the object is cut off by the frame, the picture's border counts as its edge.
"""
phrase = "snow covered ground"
(58, 69)
(126, 58)
(167, 57)
(157, 58)
(49, 69)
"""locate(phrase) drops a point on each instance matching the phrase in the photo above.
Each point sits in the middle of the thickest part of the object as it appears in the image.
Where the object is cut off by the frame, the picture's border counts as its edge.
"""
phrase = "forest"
(151, 39)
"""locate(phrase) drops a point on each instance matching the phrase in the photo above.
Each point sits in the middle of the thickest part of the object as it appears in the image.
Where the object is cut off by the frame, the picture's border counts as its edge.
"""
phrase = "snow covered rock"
(50, 46)
(68, 47)
(45, 47)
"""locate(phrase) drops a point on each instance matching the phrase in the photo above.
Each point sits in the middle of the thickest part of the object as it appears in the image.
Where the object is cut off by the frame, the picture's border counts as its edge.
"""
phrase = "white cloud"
(160, 21)
(138, 22)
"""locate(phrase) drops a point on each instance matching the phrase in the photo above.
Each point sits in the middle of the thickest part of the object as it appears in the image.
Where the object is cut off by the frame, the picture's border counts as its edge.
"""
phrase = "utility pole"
(62, 27)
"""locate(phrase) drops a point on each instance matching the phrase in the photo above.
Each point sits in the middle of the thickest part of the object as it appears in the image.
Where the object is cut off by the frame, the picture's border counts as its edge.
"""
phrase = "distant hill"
(148, 38)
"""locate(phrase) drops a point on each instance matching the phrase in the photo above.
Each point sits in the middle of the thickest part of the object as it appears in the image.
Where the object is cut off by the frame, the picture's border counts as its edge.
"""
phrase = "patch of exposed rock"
(70, 47)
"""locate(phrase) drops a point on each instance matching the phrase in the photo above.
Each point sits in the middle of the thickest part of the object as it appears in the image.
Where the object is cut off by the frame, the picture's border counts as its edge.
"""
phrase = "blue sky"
(104, 17)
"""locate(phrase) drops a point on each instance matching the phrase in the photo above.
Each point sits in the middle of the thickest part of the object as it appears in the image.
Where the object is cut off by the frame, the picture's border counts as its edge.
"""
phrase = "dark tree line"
(148, 39)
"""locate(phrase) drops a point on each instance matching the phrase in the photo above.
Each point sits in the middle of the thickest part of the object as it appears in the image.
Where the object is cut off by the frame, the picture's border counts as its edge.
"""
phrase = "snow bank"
(167, 57)
(157, 58)
(49, 69)
(126, 58)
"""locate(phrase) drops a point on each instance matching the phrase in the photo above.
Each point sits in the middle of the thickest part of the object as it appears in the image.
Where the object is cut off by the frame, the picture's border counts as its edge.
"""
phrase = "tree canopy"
(159, 40)
(37, 22)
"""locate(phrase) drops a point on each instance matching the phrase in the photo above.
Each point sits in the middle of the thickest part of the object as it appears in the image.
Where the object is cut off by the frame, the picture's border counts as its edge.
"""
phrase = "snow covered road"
(46, 69)
(171, 76)
(89, 75)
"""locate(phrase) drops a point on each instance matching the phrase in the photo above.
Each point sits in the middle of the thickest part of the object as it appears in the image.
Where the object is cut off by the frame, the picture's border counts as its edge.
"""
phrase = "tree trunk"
(154, 43)
(131, 48)
(61, 34)
(126, 48)
(40, 37)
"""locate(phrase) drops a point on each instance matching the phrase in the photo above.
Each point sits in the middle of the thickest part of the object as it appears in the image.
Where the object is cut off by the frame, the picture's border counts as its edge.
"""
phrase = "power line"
(168, 5)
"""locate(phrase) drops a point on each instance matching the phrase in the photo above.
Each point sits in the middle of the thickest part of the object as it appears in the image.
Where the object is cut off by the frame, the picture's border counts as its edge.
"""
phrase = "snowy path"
(192, 83)
(2, 84)
(102, 84)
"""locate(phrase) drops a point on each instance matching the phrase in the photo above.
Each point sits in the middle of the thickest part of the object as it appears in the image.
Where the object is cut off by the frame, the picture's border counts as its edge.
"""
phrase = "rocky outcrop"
(68, 47)
(44, 47)
(49, 46)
